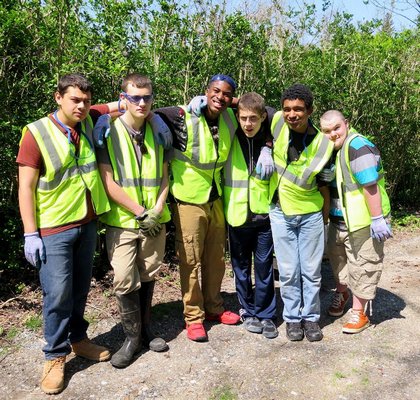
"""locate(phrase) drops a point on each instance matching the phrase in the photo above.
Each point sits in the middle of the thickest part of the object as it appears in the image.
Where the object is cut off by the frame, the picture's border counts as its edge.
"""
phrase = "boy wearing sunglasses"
(135, 175)
(60, 196)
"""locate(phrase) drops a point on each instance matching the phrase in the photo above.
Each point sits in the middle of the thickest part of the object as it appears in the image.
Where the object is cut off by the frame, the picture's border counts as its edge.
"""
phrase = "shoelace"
(57, 362)
(354, 317)
(370, 305)
(337, 299)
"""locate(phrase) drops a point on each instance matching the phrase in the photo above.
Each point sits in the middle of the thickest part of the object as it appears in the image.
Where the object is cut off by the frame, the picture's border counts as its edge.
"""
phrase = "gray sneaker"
(294, 331)
(252, 324)
(269, 329)
(312, 331)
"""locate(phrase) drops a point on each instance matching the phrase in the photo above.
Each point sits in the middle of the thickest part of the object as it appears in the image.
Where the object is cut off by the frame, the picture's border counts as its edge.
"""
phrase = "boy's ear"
(263, 116)
(310, 110)
(58, 98)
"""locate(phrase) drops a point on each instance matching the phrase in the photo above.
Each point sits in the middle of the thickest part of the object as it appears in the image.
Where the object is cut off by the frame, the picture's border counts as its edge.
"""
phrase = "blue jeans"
(244, 243)
(65, 281)
(299, 245)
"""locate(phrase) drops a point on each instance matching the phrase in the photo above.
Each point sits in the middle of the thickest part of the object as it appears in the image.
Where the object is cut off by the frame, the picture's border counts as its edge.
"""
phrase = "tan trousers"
(200, 246)
(134, 257)
(356, 260)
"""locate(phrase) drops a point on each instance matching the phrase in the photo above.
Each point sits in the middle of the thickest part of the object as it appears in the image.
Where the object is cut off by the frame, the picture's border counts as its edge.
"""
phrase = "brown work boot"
(52, 381)
(87, 349)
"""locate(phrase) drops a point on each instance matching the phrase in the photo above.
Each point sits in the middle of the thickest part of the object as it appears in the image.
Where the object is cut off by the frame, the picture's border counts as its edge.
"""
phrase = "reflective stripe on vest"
(295, 181)
(242, 190)
(61, 190)
(355, 210)
(193, 171)
(142, 184)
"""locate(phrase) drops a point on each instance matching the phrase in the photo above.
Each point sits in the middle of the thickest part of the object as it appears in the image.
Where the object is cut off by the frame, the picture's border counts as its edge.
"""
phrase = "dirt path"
(383, 362)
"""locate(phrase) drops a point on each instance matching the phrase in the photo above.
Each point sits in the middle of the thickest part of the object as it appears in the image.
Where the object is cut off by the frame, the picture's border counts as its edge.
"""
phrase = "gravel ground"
(382, 362)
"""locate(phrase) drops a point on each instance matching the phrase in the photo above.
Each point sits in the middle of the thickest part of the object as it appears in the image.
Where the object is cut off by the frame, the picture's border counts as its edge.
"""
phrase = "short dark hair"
(298, 91)
(225, 78)
(74, 80)
(137, 80)
(252, 101)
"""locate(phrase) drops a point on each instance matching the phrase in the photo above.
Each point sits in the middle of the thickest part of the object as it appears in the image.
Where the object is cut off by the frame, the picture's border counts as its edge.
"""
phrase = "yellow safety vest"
(193, 171)
(61, 191)
(142, 185)
(355, 210)
(296, 183)
(241, 189)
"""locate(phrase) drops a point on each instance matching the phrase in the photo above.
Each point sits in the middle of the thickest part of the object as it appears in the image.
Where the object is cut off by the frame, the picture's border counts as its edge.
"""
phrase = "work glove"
(327, 174)
(34, 249)
(265, 163)
(380, 229)
(101, 130)
(149, 223)
(161, 131)
(197, 105)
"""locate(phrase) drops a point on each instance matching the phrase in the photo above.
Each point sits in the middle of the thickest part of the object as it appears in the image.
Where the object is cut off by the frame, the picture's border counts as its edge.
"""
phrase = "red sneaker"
(226, 317)
(338, 303)
(196, 332)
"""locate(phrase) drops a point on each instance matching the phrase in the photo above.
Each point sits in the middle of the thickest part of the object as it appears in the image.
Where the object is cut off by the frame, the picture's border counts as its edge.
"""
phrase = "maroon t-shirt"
(29, 155)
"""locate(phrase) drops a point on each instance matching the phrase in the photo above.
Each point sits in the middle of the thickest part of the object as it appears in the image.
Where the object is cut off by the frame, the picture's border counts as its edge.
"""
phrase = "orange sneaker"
(338, 303)
(196, 332)
(357, 322)
(226, 317)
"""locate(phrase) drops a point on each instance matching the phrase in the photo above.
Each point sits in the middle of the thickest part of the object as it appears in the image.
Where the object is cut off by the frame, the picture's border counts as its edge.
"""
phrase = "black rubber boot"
(149, 339)
(129, 309)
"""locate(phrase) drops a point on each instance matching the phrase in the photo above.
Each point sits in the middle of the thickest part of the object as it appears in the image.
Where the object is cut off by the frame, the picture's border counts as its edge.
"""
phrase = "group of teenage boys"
(268, 178)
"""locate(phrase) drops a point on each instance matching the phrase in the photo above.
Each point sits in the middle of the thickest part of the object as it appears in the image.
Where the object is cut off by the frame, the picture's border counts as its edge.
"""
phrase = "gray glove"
(34, 249)
(154, 231)
(101, 130)
(149, 223)
(265, 164)
(380, 229)
(197, 105)
(327, 174)
(161, 131)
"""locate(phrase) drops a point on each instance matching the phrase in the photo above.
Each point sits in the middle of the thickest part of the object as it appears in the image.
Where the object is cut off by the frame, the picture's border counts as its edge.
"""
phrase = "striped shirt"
(365, 164)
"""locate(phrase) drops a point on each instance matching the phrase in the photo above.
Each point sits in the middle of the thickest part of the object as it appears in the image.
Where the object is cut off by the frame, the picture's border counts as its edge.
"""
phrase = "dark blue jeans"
(246, 243)
(65, 281)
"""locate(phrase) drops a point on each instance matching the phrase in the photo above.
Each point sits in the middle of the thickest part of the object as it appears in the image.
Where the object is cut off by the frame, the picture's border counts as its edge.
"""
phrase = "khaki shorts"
(356, 260)
(134, 257)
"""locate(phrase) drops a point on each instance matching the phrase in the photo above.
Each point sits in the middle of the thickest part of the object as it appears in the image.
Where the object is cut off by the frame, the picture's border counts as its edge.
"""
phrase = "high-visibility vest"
(61, 191)
(193, 171)
(242, 190)
(295, 181)
(353, 204)
(143, 183)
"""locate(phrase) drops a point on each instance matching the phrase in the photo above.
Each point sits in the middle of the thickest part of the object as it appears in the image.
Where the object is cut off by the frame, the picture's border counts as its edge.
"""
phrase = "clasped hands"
(149, 222)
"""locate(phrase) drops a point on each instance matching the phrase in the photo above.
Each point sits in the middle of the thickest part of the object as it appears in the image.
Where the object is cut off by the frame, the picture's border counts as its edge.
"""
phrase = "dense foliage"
(368, 71)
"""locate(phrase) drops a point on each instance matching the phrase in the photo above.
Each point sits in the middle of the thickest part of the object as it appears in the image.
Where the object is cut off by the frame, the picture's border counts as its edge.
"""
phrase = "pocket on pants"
(371, 256)
(185, 249)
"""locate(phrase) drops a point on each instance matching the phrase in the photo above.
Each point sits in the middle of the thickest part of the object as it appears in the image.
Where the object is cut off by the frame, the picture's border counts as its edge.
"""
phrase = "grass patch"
(403, 219)
(223, 393)
(339, 375)
(34, 322)
(91, 318)
(12, 333)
